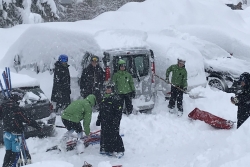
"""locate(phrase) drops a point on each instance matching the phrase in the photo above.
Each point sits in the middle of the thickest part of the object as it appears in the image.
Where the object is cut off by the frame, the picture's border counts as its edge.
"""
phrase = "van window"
(137, 65)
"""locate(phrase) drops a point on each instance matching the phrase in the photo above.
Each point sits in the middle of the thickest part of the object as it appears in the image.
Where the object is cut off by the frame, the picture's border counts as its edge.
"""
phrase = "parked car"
(36, 105)
(223, 73)
(140, 64)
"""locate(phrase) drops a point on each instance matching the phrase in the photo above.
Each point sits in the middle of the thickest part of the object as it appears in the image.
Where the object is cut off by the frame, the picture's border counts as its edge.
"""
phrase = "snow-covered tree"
(46, 8)
(10, 13)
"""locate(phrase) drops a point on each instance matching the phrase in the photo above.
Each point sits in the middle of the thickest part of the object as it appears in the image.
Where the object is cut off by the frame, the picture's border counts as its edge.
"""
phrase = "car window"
(136, 65)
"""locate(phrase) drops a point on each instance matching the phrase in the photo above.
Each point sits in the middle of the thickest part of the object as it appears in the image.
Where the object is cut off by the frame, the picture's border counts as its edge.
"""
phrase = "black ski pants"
(77, 127)
(176, 95)
(243, 114)
(128, 102)
(111, 140)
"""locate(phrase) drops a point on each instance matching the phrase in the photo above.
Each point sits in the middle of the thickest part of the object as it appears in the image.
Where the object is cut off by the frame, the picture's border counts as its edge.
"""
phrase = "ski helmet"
(63, 58)
(16, 96)
(95, 58)
(244, 77)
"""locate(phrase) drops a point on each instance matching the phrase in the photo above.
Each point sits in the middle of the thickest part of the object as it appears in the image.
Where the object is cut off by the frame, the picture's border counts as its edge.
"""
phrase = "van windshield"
(137, 65)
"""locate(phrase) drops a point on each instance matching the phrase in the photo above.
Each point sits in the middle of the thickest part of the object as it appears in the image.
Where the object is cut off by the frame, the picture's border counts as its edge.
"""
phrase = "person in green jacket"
(76, 112)
(178, 80)
(124, 86)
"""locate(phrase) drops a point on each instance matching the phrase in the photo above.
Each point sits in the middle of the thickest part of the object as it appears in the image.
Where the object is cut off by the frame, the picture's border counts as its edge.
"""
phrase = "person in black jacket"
(110, 114)
(242, 99)
(13, 118)
(61, 86)
(92, 79)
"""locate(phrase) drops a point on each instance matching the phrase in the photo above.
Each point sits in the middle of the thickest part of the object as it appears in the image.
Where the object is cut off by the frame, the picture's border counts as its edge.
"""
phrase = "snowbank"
(43, 45)
(20, 80)
(168, 49)
(121, 38)
(51, 164)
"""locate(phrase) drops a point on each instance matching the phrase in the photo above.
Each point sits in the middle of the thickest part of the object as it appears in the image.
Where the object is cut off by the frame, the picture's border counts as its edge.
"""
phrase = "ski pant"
(128, 102)
(12, 144)
(111, 140)
(62, 103)
(176, 95)
(77, 127)
(243, 114)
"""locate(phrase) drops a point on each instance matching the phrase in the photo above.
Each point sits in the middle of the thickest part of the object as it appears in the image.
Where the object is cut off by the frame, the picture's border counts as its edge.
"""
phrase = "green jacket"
(80, 110)
(123, 82)
(179, 75)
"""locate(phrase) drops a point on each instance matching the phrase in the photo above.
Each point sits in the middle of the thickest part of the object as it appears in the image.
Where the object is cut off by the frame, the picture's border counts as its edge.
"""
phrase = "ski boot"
(179, 113)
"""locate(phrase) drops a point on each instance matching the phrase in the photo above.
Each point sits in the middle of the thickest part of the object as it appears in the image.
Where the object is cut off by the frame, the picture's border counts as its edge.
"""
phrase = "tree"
(46, 8)
(10, 13)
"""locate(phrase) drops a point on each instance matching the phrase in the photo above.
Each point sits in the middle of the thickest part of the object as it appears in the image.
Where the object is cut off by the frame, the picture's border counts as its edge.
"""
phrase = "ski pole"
(10, 86)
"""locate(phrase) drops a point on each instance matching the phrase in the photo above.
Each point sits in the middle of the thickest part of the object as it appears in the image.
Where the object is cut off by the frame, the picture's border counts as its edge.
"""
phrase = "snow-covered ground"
(199, 30)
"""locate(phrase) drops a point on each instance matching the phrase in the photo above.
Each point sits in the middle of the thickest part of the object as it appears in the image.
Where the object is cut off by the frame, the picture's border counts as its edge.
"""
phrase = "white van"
(140, 64)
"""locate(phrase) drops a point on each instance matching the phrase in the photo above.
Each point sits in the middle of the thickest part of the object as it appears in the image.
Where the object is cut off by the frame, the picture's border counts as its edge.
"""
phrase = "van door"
(138, 66)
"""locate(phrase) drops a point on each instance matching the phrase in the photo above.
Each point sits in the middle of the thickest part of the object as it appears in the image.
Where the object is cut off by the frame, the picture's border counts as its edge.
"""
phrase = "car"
(223, 72)
(140, 64)
(36, 106)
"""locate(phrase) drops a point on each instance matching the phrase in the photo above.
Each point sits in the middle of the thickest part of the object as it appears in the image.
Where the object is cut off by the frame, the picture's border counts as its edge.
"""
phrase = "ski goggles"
(95, 59)
(122, 65)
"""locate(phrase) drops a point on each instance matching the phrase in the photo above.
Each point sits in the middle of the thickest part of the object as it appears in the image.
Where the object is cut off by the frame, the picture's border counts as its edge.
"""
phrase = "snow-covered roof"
(43, 45)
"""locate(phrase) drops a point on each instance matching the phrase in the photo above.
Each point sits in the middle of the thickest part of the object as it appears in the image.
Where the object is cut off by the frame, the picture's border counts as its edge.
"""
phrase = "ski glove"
(133, 94)
(234, 100)
(98, 123)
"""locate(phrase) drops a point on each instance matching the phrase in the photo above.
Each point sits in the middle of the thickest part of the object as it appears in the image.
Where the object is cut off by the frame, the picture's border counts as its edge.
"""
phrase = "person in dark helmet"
(242, 99)
(92, 79)
(178, 80)
(110, 114)
(13, 117)
(124, 86)
(61, 85)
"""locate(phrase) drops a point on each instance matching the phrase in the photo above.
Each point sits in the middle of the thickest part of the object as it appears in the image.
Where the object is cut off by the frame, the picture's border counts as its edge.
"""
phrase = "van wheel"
(217, 83)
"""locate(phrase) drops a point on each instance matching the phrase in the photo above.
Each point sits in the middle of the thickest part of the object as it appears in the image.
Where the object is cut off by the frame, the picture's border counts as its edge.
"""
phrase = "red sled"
(210, 119)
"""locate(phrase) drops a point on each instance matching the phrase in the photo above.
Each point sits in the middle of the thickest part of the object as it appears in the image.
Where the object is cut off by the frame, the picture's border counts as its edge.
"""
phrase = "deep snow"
(198, 29)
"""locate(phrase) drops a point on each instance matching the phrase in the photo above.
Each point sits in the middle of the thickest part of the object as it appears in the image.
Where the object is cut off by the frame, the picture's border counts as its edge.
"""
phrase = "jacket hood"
(92, 99)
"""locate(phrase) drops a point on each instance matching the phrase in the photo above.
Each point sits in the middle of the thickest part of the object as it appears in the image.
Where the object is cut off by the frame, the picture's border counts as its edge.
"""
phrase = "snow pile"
(168, 49)
(110, 39)
(20, 80)
(41, 46)
(51, 164)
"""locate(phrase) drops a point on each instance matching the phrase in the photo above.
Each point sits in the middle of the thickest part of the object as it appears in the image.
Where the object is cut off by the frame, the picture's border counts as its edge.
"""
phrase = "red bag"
(210, 119)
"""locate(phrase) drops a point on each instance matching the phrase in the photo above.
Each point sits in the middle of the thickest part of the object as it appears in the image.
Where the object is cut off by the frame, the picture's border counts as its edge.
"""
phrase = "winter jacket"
(110, 111)
(109, 118)
(61, 84)
(13, 118)
(179, 75)
(92, 78)
(80, 110)
(123, 81)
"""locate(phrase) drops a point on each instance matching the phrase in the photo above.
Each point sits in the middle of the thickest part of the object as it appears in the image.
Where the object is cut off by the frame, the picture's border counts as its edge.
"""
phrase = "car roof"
(20, 80)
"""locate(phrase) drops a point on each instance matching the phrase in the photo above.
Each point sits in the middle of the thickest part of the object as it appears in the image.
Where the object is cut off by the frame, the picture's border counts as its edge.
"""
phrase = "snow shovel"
(190, 95)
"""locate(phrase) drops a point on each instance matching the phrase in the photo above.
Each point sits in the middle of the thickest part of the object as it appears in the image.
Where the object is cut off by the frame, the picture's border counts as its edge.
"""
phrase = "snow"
(51, 164)
(20, 80)
(201, 31)
(46, 44)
